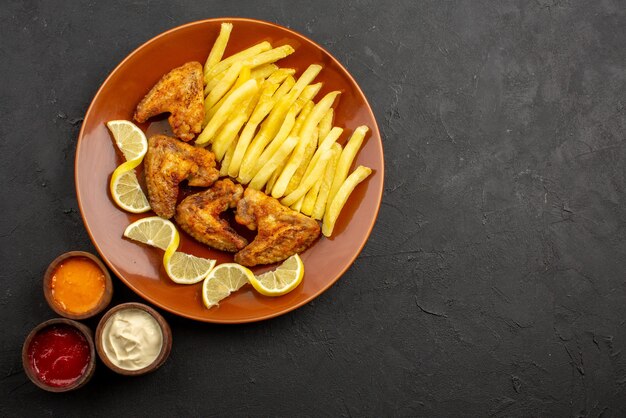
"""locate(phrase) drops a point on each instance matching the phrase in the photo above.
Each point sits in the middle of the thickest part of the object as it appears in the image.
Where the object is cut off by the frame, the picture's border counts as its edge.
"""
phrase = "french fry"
(312, 142)
(270, 56)
(310, 91)
(266, 102)
(245, 91)
(294, 132)
(284, 88)
(298, 176)
(209, 112)
(278, 140)
(272, 181)
(226, 161)
(227, 135)
(306, 137)
(260, 141)
(277, 74)
(316, 173)
(260, 179)
(262, 108)
(230, 129)
(263, 58)
(288, 124)
(263, 71)
(292, 165)
(280, 75)
(298, 205)
(325, 145)
(340, 198)
(320, 203)
(219, 46)
(277, 115)
(307, 94)
(345, 161)
(213, 82)
(305, 79)
(242, 145)
(306, 110)
(326, 124)
(311, 196)
(225, 84)
(240, 56)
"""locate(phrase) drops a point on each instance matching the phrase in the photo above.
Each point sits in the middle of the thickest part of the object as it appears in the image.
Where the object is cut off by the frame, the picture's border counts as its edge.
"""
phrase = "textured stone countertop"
(493, 283)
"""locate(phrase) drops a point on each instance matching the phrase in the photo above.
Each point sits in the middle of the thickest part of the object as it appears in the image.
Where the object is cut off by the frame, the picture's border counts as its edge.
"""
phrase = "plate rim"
(281, 311)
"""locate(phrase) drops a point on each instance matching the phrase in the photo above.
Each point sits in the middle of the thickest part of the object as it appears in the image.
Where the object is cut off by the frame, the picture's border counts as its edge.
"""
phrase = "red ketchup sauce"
(59, 355)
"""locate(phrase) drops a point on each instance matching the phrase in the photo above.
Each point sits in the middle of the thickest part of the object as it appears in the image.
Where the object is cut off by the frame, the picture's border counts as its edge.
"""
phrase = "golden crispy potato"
(225, 84)
(263, 71)
(311, 196)
(269, 98)
(325, 145)
(292, 165)
(345, 161)
(308, 181)
(228, 132)
(322, 197)
(273, 163)
(209, 112)
(340, 198)
(306, 138)
(240, 56)
(245, 91)
(326, 124)
(219, 46)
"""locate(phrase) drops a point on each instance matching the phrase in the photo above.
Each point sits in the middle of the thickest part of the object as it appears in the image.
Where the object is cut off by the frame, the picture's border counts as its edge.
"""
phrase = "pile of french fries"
(267, 132)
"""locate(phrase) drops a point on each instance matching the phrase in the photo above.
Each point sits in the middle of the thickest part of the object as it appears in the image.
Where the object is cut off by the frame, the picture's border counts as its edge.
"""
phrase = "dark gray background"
(493, 283)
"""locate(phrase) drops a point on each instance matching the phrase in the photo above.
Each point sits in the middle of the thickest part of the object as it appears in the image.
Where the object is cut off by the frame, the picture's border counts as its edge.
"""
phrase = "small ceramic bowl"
(47, 288)
(166, 346)
(91, 366)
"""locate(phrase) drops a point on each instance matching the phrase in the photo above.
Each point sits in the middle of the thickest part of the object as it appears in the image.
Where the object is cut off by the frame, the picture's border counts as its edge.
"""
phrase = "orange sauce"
(77, 285)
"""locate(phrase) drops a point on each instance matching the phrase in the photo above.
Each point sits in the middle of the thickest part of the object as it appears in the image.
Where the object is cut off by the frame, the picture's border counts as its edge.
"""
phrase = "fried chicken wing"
(199, 216)
(170, 161)
(282, 232)
(179, 92)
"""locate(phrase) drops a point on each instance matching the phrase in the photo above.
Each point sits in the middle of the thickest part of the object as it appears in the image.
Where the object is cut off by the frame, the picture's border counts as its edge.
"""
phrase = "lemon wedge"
(124, 187)
(129, 138)
(126, 191)
(281, 281)
(185, 268)
(154, 231)
(222, 281)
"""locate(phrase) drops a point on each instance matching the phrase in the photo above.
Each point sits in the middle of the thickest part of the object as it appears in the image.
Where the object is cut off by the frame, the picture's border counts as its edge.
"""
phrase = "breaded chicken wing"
(282, 232)
(170, 161)
(199, 216)
(179, 92)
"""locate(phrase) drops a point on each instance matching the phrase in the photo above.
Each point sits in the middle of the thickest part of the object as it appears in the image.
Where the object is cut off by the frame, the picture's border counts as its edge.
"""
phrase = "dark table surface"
(493, 282)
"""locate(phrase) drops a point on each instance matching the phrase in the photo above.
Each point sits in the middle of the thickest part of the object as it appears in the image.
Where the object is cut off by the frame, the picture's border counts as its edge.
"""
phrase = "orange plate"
(139, 266)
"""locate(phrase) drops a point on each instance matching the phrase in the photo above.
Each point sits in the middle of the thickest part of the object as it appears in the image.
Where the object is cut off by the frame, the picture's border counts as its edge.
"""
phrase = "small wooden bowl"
(47, 288)
(91, 367)
(165, 331)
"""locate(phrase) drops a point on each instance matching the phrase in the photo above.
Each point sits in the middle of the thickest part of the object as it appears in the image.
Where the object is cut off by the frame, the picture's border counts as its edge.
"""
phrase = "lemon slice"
(129, 139)
(185, 268)
(124, 186)
(154, 231)
(222, 281)
(126, 191)
(180, 267)
(282, 280)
